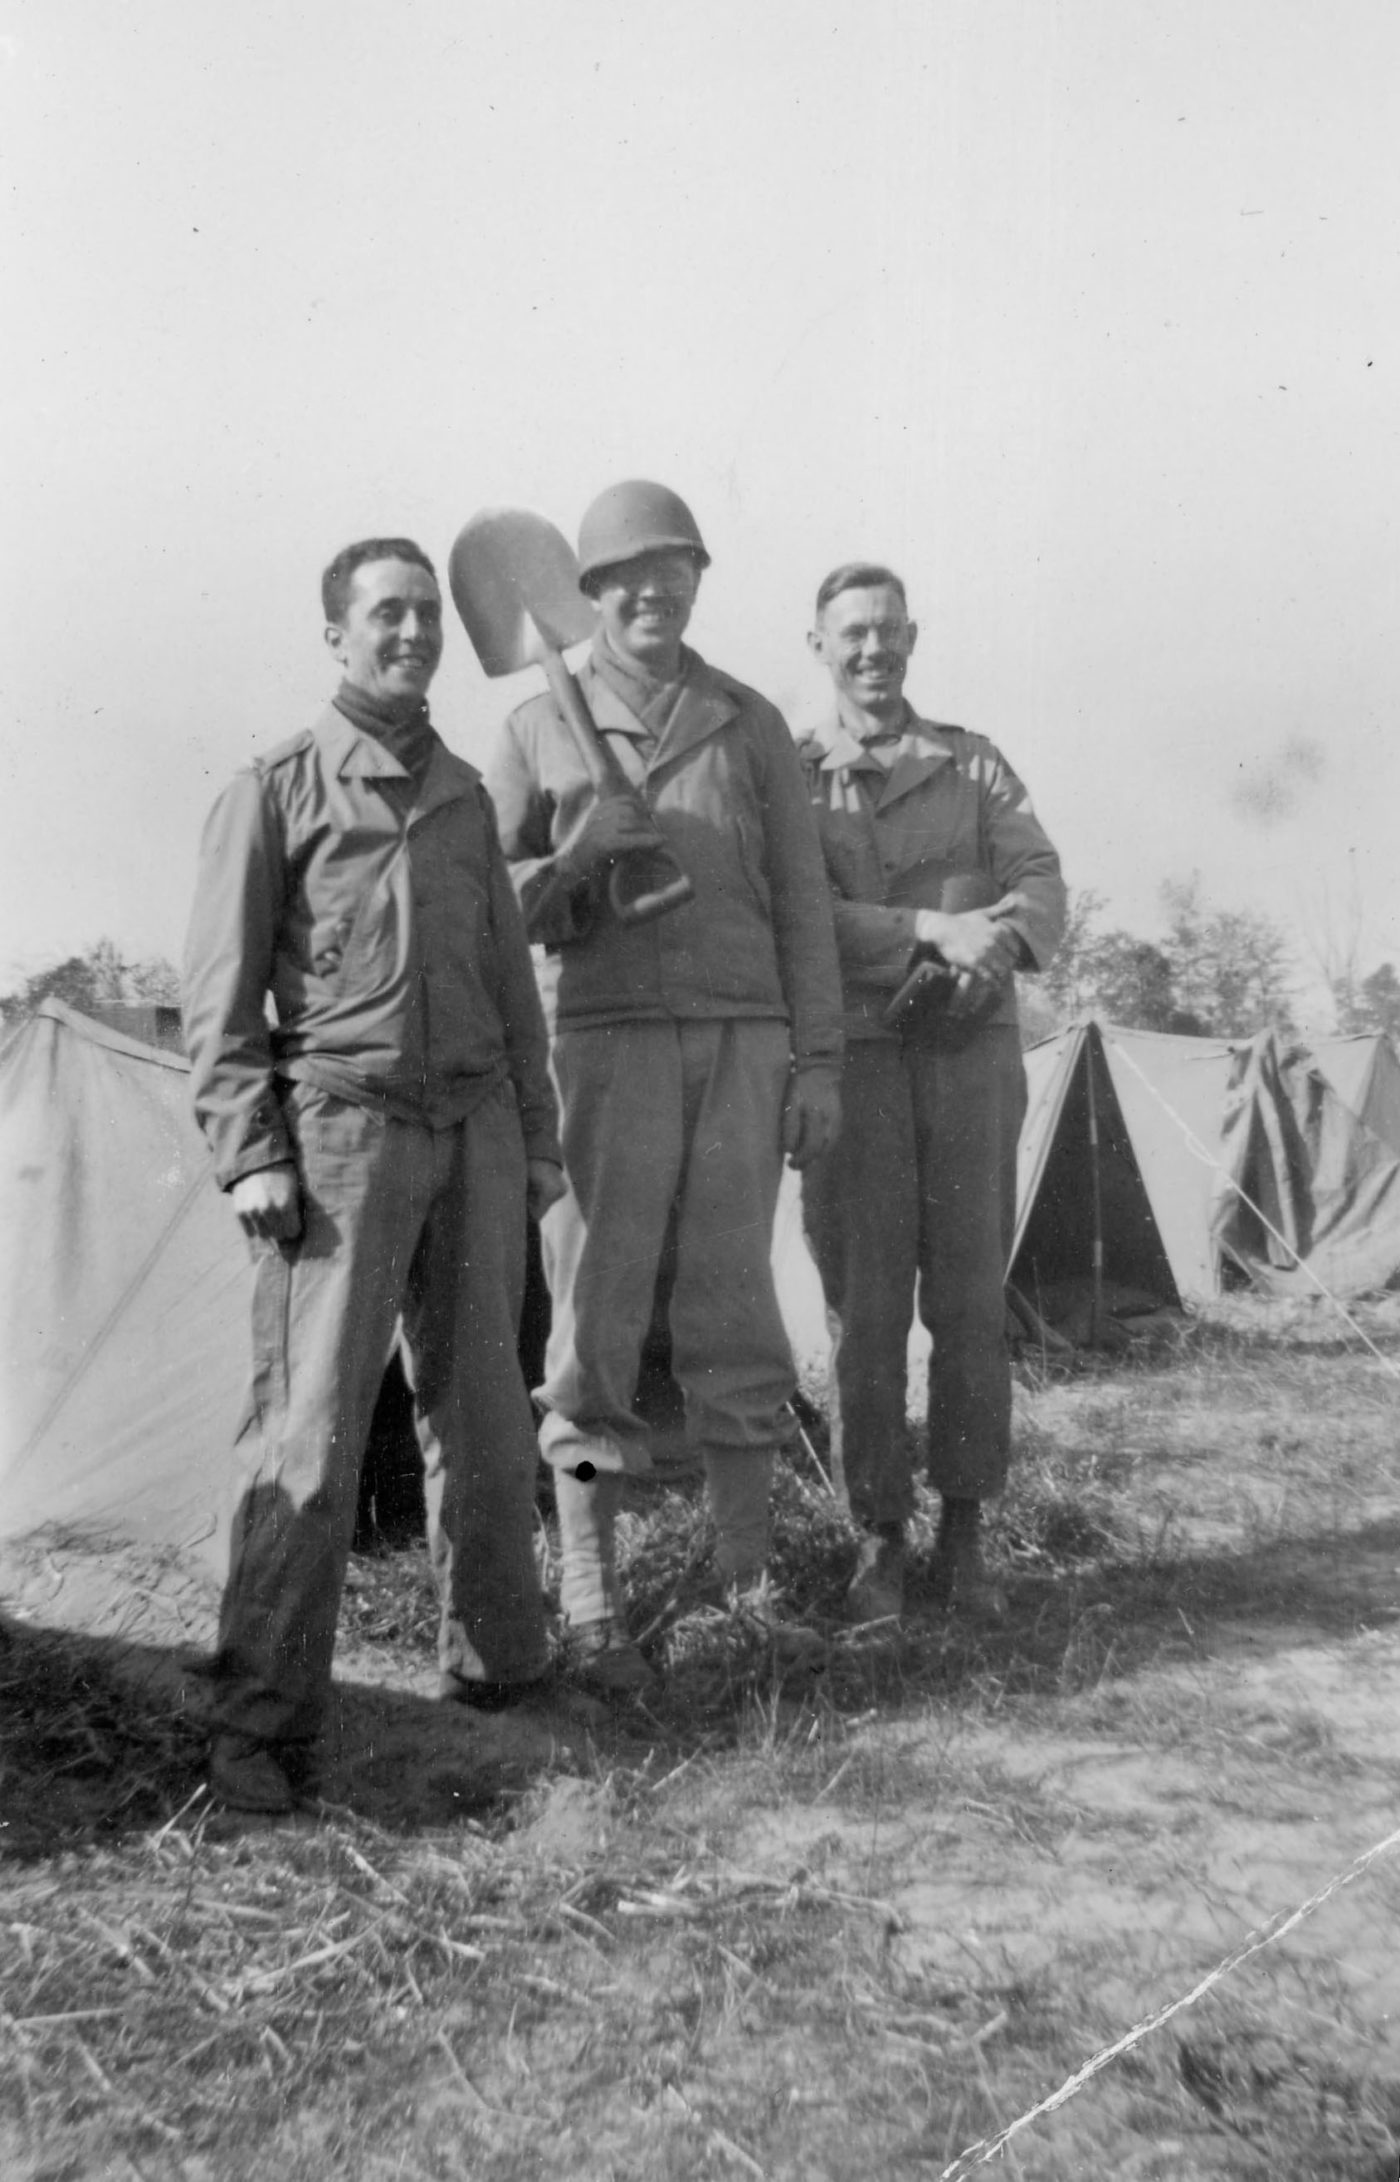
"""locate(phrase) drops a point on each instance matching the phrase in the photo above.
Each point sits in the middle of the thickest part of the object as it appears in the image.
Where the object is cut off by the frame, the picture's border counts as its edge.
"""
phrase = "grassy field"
(829, 1933)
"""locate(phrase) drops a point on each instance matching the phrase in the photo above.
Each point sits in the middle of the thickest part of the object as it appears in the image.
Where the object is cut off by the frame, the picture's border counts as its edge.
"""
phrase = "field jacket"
(382, 923)
(948, 806)
(724, 786)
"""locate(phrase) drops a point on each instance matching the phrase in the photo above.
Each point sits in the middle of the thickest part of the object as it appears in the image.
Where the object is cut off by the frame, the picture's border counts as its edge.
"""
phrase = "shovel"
(514, 582)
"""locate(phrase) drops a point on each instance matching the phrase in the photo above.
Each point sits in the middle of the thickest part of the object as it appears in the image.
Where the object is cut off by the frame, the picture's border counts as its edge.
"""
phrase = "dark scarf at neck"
(409, 737)
(651, 701)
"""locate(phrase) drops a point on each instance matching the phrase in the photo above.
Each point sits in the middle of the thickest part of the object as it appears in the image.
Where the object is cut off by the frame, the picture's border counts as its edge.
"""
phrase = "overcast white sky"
(1083, 313)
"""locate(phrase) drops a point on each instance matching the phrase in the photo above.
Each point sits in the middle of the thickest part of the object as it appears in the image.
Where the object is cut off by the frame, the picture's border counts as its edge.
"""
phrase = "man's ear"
(913, 628)
(335, 639)
(814, 640)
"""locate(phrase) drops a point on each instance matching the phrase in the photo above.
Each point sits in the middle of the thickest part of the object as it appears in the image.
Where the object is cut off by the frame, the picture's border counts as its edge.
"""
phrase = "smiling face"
(645, 605)
(390, 639)
(864, 638)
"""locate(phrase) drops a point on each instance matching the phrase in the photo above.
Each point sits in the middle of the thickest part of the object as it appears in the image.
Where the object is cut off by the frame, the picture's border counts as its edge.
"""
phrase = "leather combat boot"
(248, 1775)
(876, 1591)
(758, 1610)
(961, 1579)
(600, 1656)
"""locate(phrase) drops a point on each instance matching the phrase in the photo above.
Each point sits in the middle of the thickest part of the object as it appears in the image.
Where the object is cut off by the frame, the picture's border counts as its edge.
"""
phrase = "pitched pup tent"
(1318, 1197)
(123, 1294)
(1365, 1074)
(1147, 1160)
(124, 1287)
(1100, 1158)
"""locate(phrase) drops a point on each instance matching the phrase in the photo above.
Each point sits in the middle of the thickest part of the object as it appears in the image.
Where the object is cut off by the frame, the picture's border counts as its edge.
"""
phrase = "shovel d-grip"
(647, 883)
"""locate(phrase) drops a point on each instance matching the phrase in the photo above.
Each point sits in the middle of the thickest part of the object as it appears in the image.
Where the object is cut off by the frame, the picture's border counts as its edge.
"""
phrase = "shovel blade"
(514, 582)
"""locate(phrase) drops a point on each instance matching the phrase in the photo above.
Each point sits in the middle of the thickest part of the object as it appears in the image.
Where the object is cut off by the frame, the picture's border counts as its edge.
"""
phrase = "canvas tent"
(1152, 1196)
(1166, 1151)
(124, 1285)
(1365, 1074)
(1310, 1196)
(124, 1292)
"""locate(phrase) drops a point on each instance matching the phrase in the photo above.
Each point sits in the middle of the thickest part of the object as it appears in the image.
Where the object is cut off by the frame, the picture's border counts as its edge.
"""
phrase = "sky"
(1081, 313)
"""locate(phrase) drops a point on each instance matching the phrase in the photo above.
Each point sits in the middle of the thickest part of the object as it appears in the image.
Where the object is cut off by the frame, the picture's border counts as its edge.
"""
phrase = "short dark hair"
(859, 576)
(336, 582)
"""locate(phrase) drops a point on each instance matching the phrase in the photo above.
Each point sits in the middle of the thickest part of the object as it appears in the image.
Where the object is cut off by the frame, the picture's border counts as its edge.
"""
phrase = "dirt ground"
(848, 1930)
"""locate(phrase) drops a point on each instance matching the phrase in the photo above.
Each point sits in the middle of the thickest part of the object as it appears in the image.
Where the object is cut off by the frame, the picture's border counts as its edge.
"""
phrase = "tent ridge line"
(98, 1033)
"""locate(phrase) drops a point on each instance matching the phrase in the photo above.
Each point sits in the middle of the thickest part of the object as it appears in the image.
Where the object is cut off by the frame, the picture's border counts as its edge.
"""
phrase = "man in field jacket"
(689, 1052)
(378, 1137)
(932, 849)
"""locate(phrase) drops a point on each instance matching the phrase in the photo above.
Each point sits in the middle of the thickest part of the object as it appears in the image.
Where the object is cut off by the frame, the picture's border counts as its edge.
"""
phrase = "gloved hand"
(811, 1115)
(268, 1203)
(612, 827)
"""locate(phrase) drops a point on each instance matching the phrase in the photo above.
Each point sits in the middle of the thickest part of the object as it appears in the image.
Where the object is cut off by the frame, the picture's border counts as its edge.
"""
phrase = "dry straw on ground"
(825, 1932)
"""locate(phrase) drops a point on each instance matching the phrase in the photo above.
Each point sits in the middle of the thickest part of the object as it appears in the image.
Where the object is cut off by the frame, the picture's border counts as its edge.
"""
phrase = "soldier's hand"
(544, 1186)
(980, 941)
(614, 825)
(268, 1204)
(811, 1116)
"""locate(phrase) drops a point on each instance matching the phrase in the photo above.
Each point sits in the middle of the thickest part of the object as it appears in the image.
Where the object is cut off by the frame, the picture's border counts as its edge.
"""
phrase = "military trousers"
(668, 1127)
(408, 1229)
(915, 1206)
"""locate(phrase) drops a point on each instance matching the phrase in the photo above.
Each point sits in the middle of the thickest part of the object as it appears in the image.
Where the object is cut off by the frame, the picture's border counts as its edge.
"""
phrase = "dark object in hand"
(920, 1010)
(924, 994)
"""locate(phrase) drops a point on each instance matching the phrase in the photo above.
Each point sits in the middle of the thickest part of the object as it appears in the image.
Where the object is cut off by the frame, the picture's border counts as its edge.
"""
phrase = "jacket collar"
(702, 708)
(924, 748)
(355, 755)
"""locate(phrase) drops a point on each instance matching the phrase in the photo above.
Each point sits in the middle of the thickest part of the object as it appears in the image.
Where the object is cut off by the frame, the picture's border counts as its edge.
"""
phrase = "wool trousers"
(412, 1230)
(675, 1122)
(915, 1207)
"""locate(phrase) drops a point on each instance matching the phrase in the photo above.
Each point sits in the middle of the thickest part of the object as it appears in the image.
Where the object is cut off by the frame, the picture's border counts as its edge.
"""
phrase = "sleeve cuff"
(254, 1162)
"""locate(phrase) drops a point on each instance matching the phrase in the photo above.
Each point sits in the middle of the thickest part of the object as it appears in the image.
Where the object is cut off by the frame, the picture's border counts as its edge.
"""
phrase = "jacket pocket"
(374, 939)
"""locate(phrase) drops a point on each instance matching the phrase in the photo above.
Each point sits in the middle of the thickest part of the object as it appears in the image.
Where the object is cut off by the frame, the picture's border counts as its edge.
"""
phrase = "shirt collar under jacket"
(922, 748)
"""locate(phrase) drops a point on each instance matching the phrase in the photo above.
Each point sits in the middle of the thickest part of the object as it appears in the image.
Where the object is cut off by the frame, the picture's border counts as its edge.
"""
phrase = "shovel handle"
(650, 883)
(569, 698)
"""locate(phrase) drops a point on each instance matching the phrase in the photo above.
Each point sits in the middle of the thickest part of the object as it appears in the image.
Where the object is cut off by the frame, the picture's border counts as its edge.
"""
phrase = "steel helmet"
(631, 518)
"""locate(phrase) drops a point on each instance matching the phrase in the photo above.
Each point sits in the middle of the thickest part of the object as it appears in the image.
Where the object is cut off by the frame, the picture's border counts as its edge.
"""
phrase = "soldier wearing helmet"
(691, 1053)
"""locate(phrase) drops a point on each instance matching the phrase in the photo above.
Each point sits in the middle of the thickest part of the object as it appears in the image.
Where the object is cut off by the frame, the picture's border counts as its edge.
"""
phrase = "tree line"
(101, 976)
(1216, 973)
